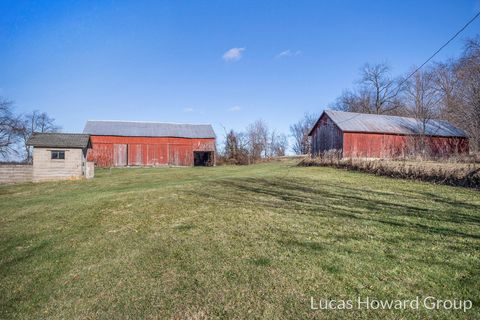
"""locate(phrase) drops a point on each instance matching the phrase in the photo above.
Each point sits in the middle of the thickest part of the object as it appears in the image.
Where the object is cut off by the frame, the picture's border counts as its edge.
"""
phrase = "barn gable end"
(326, 136)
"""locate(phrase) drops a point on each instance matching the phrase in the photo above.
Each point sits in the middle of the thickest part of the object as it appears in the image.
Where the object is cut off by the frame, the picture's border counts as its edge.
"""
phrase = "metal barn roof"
(148, 129)
(373, 123)
(59, 140)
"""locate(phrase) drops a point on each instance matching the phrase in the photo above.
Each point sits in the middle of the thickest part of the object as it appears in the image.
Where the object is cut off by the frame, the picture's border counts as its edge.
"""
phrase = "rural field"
(235, 242)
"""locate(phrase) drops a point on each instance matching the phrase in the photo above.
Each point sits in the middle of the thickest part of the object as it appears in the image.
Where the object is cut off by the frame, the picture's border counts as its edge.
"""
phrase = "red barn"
(358, 135)
(129, 143)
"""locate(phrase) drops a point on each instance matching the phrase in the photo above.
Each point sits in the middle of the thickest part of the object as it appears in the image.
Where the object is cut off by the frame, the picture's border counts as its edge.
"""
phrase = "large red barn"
(130, 143)
(358, 135)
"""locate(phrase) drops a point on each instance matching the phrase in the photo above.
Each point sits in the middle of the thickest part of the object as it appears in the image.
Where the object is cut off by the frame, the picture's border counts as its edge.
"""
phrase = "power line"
(440, 49)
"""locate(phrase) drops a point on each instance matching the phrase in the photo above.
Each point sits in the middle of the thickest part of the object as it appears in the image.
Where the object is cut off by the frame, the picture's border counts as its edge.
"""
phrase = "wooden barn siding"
(444, 146)
(146, 151)
(45, 168)
(15, 173)
(379, 145)
(326, 136)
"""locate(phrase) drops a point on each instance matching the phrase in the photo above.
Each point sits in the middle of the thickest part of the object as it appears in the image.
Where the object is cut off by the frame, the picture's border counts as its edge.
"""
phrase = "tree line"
(16, 129)
(256, 142)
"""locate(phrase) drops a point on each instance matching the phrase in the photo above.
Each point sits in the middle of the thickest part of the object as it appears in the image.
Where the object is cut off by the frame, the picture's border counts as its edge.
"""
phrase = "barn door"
(202, 158)
(180, 155)
(135, 154)
(119, 155)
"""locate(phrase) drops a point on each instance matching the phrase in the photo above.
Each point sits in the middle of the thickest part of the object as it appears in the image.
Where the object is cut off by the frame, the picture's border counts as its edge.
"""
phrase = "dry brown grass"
(456, 172)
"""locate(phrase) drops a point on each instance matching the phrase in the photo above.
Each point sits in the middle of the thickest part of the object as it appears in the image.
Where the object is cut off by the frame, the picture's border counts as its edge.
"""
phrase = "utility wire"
(430, 58)
(440, 49)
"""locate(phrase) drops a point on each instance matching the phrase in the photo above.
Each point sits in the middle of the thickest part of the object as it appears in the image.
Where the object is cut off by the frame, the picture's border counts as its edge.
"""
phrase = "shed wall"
(109, 151)
(45, 168)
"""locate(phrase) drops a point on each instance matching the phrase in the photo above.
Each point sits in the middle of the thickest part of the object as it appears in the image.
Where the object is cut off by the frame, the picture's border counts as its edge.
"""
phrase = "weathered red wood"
(378, 145)
(147, 151)
(119, 155)
(326, 135)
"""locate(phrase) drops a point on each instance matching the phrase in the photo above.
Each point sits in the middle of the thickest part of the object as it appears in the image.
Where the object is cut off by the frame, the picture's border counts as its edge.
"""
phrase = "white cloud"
(235, 109)
(233, 54)
(288, 53)
(188, 110)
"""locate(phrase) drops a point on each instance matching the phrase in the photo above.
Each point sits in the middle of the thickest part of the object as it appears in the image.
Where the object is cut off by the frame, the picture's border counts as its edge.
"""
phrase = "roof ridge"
(148, 129)
(65, 133)
(389, 115)
(379, 115)
(155, 122)
(59, 139)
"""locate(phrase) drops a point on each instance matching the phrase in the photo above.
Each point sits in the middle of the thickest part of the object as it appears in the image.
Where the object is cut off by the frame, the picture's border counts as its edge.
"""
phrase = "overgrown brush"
(450, 173)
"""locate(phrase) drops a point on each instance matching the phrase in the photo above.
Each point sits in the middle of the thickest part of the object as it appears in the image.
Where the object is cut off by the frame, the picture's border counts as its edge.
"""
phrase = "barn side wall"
(326, 136)
(111, 151)
(378, 145)
(45, 168)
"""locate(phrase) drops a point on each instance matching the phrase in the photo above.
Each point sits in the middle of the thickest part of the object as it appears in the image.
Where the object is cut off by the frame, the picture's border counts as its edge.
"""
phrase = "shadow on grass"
(24, 255)
(262, 261)
(184, 227)
(300, 197)
(311, 246)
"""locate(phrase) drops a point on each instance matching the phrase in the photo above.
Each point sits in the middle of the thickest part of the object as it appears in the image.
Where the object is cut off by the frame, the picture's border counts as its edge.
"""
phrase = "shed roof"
(59, 140)
(148, 129)
(374, 123)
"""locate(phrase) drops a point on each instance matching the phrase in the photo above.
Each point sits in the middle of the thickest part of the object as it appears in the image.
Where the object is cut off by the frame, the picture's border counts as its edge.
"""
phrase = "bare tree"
(422, 98)
(30, 123)
(300, 130)
(422, 101)
(446, 84)
(377, 92)
(8, 128)
(278, 144)
(257, 135)
(381, 87)
(458, 81)
(353, 101)
(468, 73)
(45, 123)
(255, 143)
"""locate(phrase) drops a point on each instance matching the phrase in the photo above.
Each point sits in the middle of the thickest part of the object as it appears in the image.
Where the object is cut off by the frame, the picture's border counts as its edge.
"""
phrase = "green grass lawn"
(234, 242)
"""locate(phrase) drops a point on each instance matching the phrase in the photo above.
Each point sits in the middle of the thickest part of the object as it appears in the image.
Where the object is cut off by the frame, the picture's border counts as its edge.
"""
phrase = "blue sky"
(170, 60)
